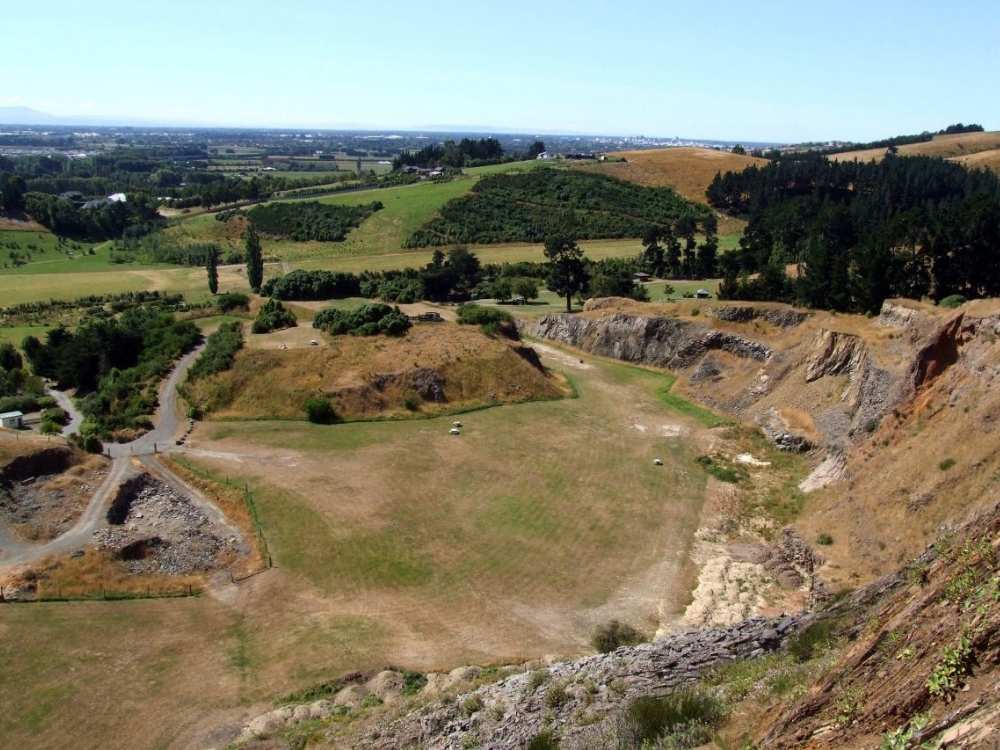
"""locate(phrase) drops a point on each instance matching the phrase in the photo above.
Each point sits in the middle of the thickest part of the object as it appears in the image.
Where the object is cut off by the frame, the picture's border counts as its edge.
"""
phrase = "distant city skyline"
(775, 72)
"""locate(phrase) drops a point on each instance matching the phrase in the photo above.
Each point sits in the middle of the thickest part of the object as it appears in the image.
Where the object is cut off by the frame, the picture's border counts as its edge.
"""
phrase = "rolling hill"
(971, 149)
(686, 170)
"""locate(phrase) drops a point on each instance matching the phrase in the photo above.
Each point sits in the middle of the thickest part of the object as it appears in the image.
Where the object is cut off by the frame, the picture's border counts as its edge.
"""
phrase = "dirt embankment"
(433, 368)
(44, 488)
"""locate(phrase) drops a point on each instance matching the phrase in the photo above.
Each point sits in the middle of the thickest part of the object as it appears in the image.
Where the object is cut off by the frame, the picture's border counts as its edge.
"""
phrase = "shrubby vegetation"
(229, 301)
(366, 320)
(535, 205)
(220, 351)
(466, 153)
(614, 635)
(114, 363)
(861, 231)
(273, 316)
(312, 285)
(20, 390)
(319, 410)
(490, 319)
(310, 220)
(112, 220)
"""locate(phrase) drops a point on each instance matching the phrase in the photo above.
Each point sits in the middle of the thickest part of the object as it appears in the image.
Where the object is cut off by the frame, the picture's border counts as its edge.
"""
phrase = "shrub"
(55, 415)
(273, 316)
(312, 285)
(229, 301)
(220, 351)
(613, 635)
(556, 695)
(824, 539)
(472, 704)
(544, 740)
(92, 444)
(949, 672)
(413, 682)
(48, 427)
(804, 645)
(319, 410)
(730, 474)
(946, 464)
(689, 713)
(490, 319)
(952, 301)
(367, 320)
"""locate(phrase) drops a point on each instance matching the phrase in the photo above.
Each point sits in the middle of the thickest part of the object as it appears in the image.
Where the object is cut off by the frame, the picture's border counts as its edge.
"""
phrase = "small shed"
(641, 277)
(12, 420)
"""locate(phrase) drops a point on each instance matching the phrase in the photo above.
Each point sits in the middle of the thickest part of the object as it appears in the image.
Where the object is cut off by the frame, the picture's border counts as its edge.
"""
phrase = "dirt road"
(160, 439)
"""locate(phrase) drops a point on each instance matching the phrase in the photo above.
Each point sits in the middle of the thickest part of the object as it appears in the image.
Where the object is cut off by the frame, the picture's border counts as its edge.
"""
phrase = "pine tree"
(254, 257)
(212, 266)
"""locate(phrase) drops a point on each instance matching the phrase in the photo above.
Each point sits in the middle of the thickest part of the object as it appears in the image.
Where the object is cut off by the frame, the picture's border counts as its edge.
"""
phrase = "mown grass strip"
(681, 405)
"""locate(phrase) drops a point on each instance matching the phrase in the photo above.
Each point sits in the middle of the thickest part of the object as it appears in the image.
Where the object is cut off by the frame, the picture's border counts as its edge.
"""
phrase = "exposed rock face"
(425, 381)
(938, 354)
(512, 711)
(783, 317)
(661, 341)
(871, 390)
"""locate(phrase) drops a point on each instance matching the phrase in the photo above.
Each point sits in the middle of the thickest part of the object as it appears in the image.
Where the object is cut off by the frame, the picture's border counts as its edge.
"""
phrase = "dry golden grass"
(96, 573)
(981, 160)
(958, 147)
(269, 382)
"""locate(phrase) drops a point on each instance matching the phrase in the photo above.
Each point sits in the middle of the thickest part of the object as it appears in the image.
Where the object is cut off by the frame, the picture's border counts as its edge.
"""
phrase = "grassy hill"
(960, 147)
(686, 170)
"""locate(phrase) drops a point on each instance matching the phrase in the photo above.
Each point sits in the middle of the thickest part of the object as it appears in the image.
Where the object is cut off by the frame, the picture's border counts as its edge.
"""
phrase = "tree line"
(860, 232)
(468, 152)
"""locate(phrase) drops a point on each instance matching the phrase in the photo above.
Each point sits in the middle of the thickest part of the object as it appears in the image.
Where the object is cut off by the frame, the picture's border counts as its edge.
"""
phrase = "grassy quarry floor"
(394, 544)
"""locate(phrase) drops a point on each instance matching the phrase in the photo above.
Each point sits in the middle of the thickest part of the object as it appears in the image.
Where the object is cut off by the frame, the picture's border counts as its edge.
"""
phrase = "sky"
(771, 70)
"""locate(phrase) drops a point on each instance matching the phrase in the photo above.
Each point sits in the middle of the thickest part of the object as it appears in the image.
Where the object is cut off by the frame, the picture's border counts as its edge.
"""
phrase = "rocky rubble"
(154, 529)
(783, 317)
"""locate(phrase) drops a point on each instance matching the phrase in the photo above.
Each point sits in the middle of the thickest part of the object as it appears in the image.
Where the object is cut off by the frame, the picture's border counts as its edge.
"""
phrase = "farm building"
(640, 276)
(12, 420)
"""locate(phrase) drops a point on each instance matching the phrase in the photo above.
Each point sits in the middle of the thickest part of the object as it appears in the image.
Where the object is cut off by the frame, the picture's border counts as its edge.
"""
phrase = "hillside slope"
(958, 147)
(687, 170)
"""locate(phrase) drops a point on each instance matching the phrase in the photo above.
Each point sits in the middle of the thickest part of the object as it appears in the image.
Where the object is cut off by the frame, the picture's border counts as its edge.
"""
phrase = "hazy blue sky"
(766, 70)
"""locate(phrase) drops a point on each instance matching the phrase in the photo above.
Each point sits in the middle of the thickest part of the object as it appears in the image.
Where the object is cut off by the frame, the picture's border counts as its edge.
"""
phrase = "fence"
(105, 595)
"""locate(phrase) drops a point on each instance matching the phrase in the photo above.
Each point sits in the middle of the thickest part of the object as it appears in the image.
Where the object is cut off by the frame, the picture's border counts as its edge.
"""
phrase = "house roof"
(9, 414)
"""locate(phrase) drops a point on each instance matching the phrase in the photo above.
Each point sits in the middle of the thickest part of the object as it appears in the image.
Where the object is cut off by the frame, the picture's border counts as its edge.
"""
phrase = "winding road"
(161, 439)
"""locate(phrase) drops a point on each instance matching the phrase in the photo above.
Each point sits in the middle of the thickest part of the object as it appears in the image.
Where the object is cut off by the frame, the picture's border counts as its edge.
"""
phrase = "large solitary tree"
(254, 256)
(212, 266)
(568, 274)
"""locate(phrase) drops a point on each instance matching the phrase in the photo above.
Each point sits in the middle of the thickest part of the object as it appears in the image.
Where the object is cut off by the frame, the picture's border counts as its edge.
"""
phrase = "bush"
(490, 319)
(312, 285)
(544, 740)
(824, 539)
(48, 427)
(556, 695)
(952, 301)
(319, 410)
(92, 444)
(687, 714)
(367, 320)
(946, 464)
(56, 415)
(273, 316)
(220, 351)
(229, 301)
(804, 645)
(613, 635)
(472, 704)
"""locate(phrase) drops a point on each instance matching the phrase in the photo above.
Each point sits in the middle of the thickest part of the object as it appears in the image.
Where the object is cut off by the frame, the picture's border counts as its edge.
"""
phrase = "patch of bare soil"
(44, 491)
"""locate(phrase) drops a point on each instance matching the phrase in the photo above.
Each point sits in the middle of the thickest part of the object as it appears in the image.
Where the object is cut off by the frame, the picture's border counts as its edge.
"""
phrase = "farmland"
(962, 147)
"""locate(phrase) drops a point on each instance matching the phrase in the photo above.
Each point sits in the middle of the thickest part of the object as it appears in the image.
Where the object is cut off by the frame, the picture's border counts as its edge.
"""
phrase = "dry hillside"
(960, 147)
(435, 367)
(687, 170)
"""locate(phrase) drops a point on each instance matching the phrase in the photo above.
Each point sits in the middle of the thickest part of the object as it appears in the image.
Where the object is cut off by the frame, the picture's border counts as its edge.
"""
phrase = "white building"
(11, 420)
